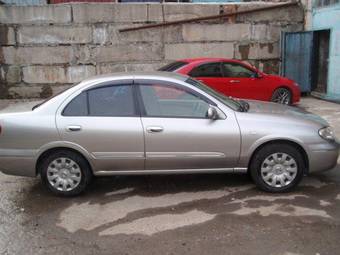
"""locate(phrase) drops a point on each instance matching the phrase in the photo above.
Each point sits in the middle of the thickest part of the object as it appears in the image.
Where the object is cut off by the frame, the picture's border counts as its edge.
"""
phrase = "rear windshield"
(53, 96)
(172, 66)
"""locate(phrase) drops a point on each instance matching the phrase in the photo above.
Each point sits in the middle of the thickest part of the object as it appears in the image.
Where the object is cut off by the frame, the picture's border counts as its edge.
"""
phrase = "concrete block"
(100, 34)
(110, 68)
(192, 50)
(37, 55)
(282, 14)
(172, 34)
(216, 32)
(258, 51)
(7, 35)
(11, 74)
(24, 91)
(259, 32)
(109, 34)
(54, 34)
(44, 74)
(79, 73)
(128, 52)
(10, 14)
(94, 13)
(171, 12)
(144, 67)
(57, 74)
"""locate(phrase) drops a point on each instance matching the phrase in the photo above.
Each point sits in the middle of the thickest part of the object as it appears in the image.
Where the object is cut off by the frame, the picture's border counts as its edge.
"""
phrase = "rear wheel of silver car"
(65, 173)
(282, 96)
(277, 167)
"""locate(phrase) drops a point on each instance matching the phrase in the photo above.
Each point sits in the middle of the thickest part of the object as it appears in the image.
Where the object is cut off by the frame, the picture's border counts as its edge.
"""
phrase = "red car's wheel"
(282, 96)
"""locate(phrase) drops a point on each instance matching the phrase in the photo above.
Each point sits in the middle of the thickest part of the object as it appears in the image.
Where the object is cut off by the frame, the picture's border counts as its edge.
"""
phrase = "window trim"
(146, 82)
(207, 63)
(128, 82)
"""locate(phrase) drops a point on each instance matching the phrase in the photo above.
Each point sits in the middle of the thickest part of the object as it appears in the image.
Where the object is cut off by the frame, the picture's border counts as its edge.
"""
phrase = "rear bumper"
(323, 157)
(20, 166)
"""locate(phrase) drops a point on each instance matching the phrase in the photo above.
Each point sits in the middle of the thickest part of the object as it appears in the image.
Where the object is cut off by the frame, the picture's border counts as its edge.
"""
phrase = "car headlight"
(327, 133)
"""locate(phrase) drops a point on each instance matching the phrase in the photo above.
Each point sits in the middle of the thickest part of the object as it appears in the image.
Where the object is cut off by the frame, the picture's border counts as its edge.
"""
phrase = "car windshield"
(229, 101)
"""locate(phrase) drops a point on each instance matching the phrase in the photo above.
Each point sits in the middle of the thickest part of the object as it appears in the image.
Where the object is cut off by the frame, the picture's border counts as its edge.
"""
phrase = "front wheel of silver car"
(277, 167)
(65, 173)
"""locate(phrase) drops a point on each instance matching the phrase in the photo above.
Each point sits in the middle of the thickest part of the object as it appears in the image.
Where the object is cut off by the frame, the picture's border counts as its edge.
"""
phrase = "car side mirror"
(212, 113)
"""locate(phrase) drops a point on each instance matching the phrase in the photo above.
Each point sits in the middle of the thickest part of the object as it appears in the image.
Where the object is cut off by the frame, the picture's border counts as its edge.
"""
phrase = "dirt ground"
(186, 214)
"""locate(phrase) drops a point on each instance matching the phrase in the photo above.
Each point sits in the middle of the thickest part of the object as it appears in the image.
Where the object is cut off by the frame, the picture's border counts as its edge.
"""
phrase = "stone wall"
(45, 48)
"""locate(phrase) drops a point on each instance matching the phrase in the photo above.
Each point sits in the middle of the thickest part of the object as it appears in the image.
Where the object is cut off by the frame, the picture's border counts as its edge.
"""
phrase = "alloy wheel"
(282, 96)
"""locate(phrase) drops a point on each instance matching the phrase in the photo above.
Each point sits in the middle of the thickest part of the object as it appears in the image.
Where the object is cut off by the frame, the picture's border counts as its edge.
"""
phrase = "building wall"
(45, 48)
(329, 18)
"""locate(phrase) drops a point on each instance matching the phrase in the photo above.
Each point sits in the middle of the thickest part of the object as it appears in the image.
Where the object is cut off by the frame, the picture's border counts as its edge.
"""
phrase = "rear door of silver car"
(105, 121)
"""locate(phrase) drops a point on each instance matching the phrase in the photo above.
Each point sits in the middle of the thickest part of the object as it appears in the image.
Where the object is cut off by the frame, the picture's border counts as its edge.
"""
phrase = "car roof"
(138, 75)
(202, 60)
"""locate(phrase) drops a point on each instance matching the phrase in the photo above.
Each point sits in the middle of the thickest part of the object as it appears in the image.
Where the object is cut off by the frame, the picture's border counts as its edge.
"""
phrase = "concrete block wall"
(45, 48)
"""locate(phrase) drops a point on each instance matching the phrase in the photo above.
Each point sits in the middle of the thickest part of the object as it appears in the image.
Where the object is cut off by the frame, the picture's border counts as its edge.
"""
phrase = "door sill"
(172, 171)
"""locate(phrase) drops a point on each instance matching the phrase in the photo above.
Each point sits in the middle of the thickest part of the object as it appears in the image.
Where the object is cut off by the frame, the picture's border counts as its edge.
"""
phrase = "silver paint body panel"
(123, 145)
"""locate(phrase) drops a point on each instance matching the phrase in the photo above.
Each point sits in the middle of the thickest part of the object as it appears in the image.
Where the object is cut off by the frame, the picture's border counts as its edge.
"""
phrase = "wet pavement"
(186, 214)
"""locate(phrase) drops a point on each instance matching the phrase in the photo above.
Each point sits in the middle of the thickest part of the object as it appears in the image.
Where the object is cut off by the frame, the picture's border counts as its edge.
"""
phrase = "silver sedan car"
(161, 123)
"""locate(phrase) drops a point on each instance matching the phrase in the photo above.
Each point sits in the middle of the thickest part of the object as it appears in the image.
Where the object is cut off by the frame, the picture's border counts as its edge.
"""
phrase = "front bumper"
(323, 157)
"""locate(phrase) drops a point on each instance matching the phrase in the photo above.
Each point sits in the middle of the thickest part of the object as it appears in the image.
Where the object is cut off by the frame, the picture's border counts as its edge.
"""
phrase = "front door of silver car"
(179, 134)
(105, 121)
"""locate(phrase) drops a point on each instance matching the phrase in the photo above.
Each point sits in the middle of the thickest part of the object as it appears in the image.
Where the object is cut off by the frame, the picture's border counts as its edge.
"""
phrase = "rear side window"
(172, 66)
(77, 107)
(207, 70)
(110, 101)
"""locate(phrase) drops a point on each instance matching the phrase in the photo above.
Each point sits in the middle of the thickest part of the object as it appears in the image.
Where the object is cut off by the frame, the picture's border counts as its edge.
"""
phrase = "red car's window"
(236, 70)
(207, 70)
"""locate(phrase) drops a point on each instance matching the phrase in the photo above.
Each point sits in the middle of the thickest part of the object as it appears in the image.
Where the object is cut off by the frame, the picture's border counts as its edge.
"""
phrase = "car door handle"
(234, 81)
(73, 128)
(154, 129)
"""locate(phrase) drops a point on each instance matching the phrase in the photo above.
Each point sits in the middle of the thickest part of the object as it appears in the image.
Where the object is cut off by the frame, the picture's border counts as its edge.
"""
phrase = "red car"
(238, 79)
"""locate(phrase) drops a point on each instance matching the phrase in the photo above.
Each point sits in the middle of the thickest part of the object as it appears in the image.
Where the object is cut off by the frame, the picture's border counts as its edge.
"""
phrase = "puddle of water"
(159, 223)
(267, 198)
(88, 216)
(119, 192)
(325, 203)
(281, 210)
(313, 182)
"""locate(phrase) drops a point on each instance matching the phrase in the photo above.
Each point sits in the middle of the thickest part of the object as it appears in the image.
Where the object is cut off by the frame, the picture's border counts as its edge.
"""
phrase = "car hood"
(284, 110)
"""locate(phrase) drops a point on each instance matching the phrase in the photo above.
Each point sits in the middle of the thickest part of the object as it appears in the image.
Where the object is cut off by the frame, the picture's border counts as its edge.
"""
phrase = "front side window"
(162, 100)
(111, 101)
(237, 71)
(207, 70)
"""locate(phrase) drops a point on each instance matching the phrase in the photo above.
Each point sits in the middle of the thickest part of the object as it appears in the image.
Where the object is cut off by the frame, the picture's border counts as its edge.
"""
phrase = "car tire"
(65, 173)
(282, 96)
(277, 168)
